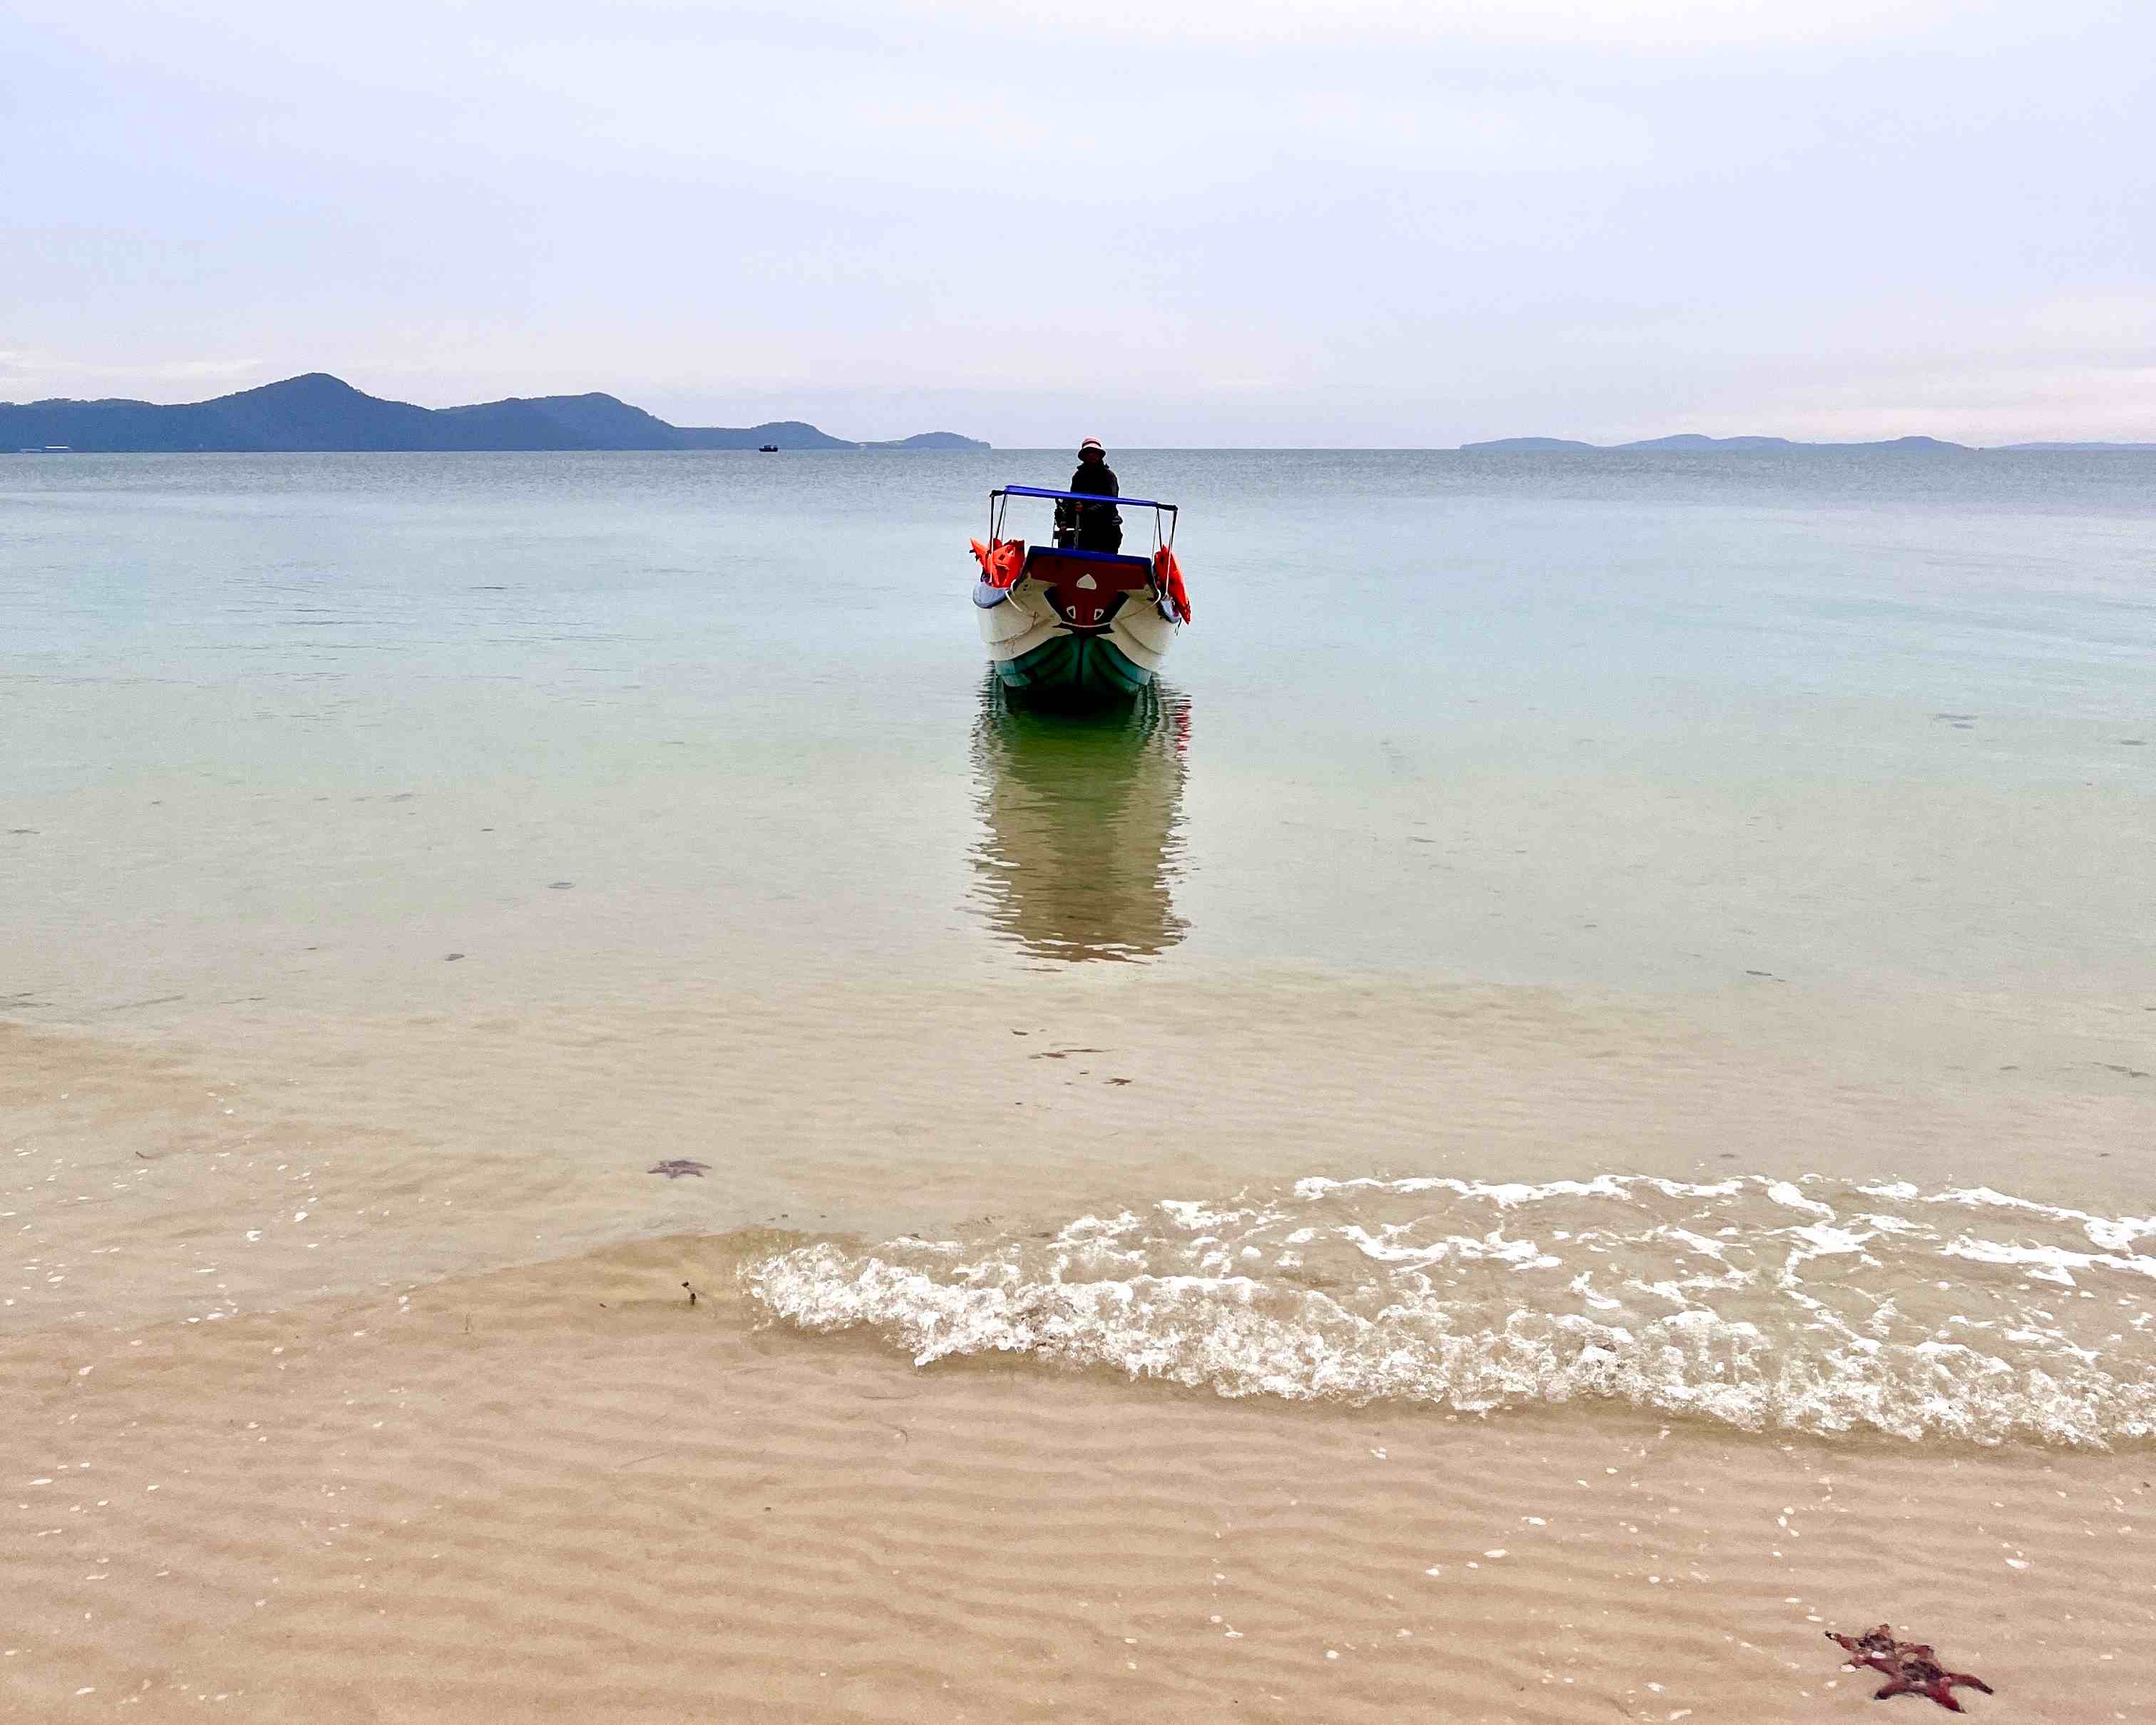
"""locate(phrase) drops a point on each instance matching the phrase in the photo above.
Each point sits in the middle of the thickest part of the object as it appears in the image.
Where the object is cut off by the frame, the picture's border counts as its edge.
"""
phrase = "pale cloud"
(2021, 404)
(418, 39)
(1187, 221)
(2118, 324)
(1687, 26)
(56, 374)
(942, 127)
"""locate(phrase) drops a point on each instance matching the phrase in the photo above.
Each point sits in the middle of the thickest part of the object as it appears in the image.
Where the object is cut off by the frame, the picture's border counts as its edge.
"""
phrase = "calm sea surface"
(549, 813)
(1631, 721)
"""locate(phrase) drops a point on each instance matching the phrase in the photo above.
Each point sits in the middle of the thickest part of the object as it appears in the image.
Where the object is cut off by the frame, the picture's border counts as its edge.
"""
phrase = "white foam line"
(1415, 1309)
(2054, 1259)
(2119, 1230)
(1507, 1194)
(1179, 1327)
(1783, 1193)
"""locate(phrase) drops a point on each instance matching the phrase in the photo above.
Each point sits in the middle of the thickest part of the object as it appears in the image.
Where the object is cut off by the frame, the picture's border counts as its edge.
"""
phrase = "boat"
(767, 448)
(1066, 624)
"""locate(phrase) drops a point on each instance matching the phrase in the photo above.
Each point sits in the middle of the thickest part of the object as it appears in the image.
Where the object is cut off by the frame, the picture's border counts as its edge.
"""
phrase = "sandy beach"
(561, 1493)
(286, 1438)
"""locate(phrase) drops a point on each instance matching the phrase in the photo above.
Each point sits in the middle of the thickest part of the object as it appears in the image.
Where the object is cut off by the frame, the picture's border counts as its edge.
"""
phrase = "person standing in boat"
(1092, 527)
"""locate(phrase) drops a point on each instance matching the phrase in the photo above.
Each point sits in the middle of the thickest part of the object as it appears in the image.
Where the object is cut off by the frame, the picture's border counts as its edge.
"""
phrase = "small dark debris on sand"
(1908, 1666)
(674, 1167)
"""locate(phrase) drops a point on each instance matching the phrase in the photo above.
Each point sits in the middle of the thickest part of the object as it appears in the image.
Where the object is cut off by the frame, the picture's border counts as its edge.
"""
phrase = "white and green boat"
(1071, 625)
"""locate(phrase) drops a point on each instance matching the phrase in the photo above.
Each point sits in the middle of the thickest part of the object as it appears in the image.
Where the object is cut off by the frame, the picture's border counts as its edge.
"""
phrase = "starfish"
(676, 1167)
(1907, 1666)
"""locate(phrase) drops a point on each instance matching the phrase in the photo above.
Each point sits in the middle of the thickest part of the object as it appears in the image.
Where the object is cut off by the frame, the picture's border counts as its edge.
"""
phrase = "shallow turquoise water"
(1632, 723)
(554, 814)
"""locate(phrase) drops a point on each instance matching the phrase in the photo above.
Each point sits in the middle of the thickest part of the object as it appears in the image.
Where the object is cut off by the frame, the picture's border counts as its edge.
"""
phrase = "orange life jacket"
(1168, 575)
(1003, 561)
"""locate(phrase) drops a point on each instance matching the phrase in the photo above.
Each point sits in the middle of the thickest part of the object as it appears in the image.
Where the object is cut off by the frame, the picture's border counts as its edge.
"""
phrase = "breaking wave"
(1765, 1304)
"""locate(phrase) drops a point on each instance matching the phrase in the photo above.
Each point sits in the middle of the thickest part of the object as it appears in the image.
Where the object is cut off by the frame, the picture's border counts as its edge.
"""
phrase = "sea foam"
(1763, 1304)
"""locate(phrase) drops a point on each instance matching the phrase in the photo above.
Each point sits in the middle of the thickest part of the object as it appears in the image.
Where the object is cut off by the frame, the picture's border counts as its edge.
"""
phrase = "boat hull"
(1039, 655)
(1073, 667)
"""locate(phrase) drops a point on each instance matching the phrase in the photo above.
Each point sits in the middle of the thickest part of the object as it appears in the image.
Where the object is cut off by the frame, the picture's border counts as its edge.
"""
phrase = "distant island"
(1692, 441)
(319, 412)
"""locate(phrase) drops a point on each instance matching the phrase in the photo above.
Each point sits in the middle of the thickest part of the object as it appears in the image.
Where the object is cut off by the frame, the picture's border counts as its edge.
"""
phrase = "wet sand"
(349, 1374)
(562, 1493)
(473, 1134)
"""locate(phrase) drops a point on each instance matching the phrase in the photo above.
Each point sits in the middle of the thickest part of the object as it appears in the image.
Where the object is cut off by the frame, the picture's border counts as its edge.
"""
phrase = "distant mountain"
(318, 412)
(2077, 449)
(930, 440)
(1691, 441)
(564, 422)
(1529, 445)
(786, 433)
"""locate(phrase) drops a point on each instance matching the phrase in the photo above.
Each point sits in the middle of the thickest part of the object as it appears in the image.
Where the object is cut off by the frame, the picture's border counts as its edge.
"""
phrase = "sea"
(1475, 777)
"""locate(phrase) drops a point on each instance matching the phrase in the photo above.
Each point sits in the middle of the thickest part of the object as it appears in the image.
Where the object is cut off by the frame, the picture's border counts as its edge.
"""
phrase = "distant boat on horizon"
(767, 448)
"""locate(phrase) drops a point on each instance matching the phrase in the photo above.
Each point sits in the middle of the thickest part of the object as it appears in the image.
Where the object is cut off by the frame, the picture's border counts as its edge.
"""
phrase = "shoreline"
(238, 1160)
(468, 1447)
(559, 1491)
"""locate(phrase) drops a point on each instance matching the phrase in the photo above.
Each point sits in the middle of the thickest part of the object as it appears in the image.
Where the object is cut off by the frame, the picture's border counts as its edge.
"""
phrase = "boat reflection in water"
(1084, 824)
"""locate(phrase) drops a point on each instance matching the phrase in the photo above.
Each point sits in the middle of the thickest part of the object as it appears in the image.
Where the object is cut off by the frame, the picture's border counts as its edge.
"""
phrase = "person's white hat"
(1091, 443)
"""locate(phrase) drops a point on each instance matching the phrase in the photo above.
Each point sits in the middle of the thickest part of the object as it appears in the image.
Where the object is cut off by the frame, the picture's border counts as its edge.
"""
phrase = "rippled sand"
(349, 1373)
(563, 1492)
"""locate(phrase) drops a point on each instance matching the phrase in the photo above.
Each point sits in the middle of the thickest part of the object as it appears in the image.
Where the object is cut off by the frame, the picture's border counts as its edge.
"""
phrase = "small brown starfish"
(1907, 1666)
(676, 1167)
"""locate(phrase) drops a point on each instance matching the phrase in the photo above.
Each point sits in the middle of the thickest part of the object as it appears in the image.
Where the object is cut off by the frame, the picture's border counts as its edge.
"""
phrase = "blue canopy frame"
(999, 499)
(1078, 497)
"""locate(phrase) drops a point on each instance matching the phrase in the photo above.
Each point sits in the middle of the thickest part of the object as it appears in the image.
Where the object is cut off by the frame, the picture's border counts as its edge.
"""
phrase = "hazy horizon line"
(1574, 445)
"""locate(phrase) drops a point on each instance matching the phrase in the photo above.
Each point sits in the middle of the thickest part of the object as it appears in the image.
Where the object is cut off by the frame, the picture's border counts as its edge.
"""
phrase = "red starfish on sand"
(1907, 1666)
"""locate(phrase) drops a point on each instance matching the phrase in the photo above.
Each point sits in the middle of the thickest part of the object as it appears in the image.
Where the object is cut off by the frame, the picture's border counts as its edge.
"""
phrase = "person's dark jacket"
(1100, 524)
(1097, 477)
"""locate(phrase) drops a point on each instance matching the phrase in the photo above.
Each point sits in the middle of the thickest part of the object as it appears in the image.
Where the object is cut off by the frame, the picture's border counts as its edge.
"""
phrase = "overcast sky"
(1195, 221)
